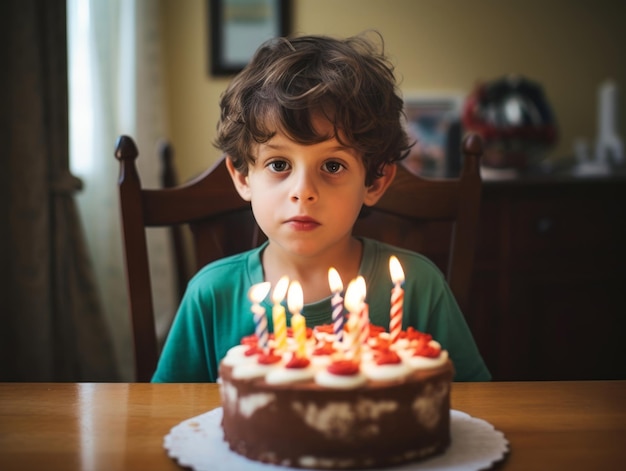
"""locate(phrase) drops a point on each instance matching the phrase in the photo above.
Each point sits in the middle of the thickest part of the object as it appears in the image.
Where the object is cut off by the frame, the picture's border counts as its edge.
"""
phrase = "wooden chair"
(169, 179)
(436, 217)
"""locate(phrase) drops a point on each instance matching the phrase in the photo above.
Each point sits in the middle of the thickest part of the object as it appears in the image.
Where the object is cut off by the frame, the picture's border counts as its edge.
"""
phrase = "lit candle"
(298, 323)
(397, 298)
(278, 314)
(334, 280)
(256, 294)
(354, 305)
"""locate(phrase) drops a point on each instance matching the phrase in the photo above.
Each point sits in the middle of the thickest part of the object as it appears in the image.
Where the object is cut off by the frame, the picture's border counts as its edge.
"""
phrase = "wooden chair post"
(169, 179)
(461, 258)
(136, 256)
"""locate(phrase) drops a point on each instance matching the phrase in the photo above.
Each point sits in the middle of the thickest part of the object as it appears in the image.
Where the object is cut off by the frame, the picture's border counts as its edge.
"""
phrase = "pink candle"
(397, 298)
(336, 285)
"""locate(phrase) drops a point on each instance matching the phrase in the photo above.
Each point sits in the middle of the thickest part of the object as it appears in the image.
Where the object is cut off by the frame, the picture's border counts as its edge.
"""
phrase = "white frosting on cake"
(329, 380)
(246, 366)
(426, 405)
(237, 355)
(390, 372)
(290, 375)
(249, 404)
(229, 395)
(337, 420)
(320, 361)
(334, 420)
(252, 370)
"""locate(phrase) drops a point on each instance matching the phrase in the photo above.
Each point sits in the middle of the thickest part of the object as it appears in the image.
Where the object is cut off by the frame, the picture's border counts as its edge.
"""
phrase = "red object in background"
(513, 116)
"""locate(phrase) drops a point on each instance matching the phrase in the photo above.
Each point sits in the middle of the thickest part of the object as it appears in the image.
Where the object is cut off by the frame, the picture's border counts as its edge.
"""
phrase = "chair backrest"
(180, 256)
(437, 217)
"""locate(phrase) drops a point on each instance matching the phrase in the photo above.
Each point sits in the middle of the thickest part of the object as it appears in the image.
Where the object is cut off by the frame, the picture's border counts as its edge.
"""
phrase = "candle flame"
(258, 292)
(295, 297)
(362, 287)
(355, 294)
(395, 269)
(280, 290)
(334, 280)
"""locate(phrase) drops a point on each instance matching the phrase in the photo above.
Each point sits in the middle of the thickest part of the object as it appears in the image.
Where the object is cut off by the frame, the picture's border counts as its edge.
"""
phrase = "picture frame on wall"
(433, 122)
(238, 27)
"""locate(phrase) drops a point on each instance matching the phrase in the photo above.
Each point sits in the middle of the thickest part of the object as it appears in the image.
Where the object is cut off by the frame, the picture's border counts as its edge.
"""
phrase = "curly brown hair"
(350, 81)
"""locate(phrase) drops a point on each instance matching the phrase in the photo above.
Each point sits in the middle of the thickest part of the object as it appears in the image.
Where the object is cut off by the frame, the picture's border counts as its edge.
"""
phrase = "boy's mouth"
(302, 223)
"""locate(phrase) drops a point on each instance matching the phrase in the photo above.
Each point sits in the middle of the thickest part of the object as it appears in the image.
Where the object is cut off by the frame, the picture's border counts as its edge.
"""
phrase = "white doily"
(197, 443)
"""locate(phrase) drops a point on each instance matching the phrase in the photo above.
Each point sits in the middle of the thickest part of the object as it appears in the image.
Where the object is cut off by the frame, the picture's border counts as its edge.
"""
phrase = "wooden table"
(66, 426)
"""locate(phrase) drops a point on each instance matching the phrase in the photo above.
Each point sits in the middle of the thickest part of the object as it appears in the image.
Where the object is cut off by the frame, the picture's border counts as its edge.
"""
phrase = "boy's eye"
(278, 166)
(333, 167)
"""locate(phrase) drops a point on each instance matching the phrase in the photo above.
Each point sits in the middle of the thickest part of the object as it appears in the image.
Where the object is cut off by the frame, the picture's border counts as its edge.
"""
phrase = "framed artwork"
(432, 121)
(238, 27)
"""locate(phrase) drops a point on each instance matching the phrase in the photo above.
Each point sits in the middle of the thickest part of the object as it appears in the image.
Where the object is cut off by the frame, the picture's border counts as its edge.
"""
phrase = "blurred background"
(570, 47)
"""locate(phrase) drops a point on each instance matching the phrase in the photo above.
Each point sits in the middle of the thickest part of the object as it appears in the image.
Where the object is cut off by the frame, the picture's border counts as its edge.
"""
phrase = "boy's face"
(306, 198)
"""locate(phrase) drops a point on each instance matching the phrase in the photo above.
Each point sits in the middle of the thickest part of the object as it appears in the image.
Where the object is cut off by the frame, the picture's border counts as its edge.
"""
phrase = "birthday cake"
(341, 396)
(390, 408)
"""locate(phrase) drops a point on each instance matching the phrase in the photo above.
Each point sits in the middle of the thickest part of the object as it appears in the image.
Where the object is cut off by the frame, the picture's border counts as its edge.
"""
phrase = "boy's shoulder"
(379, 252)
(227, 269)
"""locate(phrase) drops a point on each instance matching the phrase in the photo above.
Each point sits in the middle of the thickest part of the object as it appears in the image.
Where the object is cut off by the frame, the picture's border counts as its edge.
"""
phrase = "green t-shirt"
(215, 312)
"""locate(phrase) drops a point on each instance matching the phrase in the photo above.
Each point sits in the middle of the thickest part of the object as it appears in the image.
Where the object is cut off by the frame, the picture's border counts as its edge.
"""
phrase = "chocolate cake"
(388, 405)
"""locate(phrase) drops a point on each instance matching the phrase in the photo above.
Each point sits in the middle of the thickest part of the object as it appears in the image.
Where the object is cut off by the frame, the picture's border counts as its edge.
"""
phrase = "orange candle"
(279, 317)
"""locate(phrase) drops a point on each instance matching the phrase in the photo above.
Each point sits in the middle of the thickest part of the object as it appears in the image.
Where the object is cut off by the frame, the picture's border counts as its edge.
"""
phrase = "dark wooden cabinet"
(549, 287)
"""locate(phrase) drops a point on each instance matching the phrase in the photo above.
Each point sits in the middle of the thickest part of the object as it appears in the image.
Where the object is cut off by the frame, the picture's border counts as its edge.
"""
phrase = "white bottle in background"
(609, 145)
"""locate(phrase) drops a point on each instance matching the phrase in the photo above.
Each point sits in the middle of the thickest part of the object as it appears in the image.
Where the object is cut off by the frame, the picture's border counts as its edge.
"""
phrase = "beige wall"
(570, 46)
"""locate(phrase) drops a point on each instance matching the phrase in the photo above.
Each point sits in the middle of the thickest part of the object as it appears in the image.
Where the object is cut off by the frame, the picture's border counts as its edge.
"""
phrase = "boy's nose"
(304, 189)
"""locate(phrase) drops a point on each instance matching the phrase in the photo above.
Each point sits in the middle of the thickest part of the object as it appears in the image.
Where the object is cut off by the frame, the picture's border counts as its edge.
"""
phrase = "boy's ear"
(377, 189)
(239, 180)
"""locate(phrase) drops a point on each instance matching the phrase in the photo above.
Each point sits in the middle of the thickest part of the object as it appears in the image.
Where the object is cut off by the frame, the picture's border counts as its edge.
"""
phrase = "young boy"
(312, 129)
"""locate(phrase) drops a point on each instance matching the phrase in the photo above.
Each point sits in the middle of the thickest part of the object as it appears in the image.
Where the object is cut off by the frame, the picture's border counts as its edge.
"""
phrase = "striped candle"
(397, 298)
(256, 294)
(336, 285)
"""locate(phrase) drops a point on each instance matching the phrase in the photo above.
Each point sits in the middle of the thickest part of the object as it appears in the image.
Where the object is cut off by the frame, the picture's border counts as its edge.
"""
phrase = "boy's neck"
(312, 272)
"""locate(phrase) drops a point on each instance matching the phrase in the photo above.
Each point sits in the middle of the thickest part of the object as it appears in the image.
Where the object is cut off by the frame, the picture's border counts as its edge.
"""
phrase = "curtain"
(116, 88)
(51, 322)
